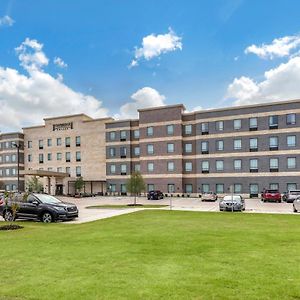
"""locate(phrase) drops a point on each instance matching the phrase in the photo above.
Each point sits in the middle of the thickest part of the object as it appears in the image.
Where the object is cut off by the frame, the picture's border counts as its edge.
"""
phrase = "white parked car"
(209, 196)
(232, 203)
(296, 205)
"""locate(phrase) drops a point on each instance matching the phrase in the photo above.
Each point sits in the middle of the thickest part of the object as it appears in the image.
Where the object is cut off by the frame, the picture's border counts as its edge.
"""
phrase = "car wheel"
(8, 216)
(295, 210)
(47, 217)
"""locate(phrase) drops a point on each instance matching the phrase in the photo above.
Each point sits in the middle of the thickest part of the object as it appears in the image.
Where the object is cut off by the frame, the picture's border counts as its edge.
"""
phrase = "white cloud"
(155, 45)
(143, 98)
(27, 99)
(280, 83)
(280, 47)
(59, 62)
(6, 21)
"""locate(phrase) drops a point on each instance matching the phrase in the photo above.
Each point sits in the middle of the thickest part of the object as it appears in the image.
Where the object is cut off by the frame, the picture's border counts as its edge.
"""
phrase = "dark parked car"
(42, 207)
(271, 195)
(155, 195)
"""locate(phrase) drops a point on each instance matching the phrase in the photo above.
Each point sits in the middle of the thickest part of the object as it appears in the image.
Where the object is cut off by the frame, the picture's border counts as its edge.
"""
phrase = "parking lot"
(188, 204)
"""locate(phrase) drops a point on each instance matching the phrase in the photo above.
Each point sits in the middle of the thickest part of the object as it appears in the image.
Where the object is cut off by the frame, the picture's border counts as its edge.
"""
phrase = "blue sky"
(97, 40)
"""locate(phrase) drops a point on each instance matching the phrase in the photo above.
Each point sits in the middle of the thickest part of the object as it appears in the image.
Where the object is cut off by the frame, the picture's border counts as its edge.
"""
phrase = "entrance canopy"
(43, 173)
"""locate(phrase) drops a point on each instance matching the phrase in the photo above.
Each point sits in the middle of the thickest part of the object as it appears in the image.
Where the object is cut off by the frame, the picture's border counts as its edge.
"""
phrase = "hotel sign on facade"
(63, 126)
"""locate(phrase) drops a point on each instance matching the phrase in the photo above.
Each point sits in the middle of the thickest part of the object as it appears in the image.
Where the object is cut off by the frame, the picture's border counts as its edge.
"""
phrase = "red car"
(271, 195)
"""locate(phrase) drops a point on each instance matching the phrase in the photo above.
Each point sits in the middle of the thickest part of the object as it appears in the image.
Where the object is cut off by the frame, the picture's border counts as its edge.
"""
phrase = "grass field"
(155, 255)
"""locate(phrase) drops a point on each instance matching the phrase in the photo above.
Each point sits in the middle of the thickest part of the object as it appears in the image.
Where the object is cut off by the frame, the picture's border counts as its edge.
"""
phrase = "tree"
(135, 184)
(34, 185)
(79, 183)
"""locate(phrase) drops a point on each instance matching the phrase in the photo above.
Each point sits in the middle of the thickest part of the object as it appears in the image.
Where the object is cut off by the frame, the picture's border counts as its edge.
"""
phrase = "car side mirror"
(35, 202)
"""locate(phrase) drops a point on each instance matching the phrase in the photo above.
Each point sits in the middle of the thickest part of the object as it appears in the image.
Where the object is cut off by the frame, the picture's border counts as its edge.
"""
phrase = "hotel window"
(136, 134)
(1, 172)
(123, 135)
(188, 188)
(7, 158)
(291, 140)
(7, 172)
(29, 144)
(123, 152)
(29, 158)
(237, 144)
(0, 159)
(205, 188)
(112, 188)
(68, 156)
(188, 129)
(14, 158)
(41, 158)
(58, 142)
(150, 187)
(123, 169)
(188, 166)
(220, 145)
(237, 164)
(112, 169)
(41, 144)
(49, 142)
(273, 122)
(219, 125)
(68, 170)
(137, 168)
(219, 165)
(149, 131)
(188, 148)
(13, 172)
(7, 145)
(112, 135)
(150, 167)
(273, 143)
(170, 166)
(78, 171)
(291, 186)
(171, 188)
(205, 166)
(291, 162)
(273, 164)
(58, 156)
(112, 152)
(291, 119)
(253, 124)
(136, 151)
(253, 165)
(78, 156)
(78, 141)
(170, 148)
(170, 129)
(49, 156)
(274, 186)
(49, 169)
(220, 188)
(59, 169)
(204, 148)
(123, 189)
(253, 189)
(253, 144)
(204, 128)
(237, 188)
(68, 141)
(237, 124)
(150, 149)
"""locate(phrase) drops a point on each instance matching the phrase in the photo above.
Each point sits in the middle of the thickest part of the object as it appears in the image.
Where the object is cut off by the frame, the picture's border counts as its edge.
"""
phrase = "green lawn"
(155, 255)
(127, 206)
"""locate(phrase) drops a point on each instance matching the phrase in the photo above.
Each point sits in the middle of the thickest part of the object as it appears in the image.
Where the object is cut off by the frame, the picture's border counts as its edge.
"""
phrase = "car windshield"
(232, 198)
(47, 199)
(295, 192)
(272, 191)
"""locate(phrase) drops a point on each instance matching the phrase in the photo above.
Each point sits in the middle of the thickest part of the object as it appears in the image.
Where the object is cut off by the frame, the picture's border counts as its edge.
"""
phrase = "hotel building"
(9, 143)
(248, 148)
(65, 148)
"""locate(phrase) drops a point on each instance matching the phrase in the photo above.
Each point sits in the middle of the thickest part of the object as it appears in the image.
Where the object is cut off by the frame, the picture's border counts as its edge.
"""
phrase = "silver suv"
(292, 195)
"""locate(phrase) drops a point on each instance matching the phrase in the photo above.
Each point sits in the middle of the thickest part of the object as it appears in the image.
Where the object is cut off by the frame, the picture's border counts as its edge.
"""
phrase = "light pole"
(18, 162)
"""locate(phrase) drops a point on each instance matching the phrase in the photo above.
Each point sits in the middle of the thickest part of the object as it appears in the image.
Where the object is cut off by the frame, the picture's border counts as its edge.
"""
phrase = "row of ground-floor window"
(219, 188)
